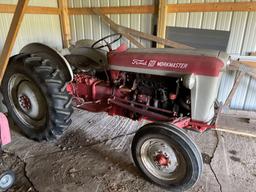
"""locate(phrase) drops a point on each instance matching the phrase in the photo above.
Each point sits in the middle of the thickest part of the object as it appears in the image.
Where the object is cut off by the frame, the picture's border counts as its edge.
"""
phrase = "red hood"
(197, 64)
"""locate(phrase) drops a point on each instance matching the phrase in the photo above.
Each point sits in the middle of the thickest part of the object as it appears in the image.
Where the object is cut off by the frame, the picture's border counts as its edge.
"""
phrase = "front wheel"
(167, 156)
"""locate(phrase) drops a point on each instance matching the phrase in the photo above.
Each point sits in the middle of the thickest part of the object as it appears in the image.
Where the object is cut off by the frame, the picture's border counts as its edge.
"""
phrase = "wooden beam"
(145, 9)
(171, 8)
(240, 114)
(212, 7)
(236, 132)
(161, 21)
(12, 35)
(114, 10)
(64, 21)
(238, 66)
(5, 8)
(249, 63)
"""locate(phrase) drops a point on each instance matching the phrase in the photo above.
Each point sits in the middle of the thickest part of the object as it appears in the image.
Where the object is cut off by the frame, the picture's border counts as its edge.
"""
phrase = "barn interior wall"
(35, 28)
(242, 27)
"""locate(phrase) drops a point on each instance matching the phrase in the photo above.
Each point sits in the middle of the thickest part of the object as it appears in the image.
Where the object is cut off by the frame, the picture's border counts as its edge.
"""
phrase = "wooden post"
(161, 21)
(12, 35)
(64, 21)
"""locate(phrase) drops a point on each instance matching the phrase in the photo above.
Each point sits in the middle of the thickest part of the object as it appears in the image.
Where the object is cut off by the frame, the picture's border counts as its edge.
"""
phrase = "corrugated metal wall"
(34, 28)
(241, 24)
(90, 27)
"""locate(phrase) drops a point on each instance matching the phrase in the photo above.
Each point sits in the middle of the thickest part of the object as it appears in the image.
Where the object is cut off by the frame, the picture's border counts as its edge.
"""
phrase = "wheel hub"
(25, 102)
(162, 160)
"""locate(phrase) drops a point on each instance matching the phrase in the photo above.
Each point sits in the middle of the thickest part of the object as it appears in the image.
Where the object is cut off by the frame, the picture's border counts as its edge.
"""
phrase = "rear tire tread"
(48, 78)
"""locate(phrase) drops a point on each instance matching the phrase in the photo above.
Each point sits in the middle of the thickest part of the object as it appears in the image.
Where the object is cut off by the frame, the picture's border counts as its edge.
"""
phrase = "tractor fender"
(83, 47)
(47, 52)
(92, 54)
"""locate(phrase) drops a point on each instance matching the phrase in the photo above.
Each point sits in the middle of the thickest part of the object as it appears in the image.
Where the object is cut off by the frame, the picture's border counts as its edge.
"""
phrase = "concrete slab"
(94, 155)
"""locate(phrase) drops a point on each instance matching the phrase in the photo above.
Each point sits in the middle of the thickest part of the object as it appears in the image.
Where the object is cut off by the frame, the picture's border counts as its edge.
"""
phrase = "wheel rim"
(6, 181)
(162, 160)
(27, 101)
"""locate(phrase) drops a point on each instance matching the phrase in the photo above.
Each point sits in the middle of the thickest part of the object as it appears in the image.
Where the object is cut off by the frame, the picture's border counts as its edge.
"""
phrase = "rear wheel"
(35, 96)
(167, 156)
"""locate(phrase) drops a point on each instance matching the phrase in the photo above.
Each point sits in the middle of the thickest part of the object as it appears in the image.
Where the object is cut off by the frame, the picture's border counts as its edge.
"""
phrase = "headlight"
(189, 81)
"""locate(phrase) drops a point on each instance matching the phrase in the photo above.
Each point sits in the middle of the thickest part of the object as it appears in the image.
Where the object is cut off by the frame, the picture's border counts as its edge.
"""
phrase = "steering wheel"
(107, 44)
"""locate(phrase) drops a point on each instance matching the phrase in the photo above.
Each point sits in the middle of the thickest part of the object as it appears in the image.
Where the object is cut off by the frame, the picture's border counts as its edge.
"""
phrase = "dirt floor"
(93, 155)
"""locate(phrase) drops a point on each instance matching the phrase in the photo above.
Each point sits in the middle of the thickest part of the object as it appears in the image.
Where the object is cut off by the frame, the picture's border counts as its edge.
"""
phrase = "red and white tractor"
(175, 88)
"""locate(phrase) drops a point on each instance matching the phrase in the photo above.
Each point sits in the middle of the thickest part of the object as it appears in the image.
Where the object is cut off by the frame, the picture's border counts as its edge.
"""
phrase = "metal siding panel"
(87, 22)
(209, 18)
(240, 95)
(195, 19)
(182, 18)
(88, 26)
(125, 19)
(115, 18)
(250, 102)
(224, 19)
(236, 42)
(8, 1)
(79, 21)
(96, 22)
(105, 29)
(171, 17)
(51, 3)
(146, 25)
(34, 28)
(135, 20)
(235, 46)
(43, 3)
(236, 21)
(238, 27)
(226, 83)
(249, 44)
(237, 32)
(223, 22)
(72, 23)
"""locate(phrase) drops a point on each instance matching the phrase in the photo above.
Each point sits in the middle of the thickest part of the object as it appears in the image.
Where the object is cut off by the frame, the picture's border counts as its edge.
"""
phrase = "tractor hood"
(169, 61)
